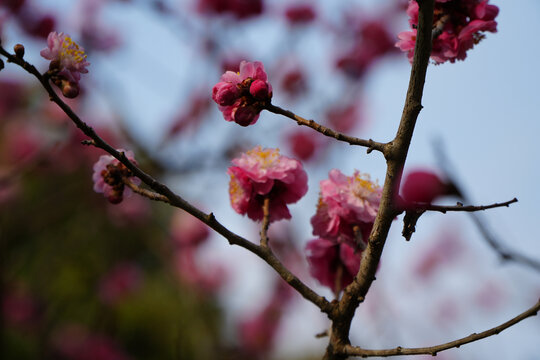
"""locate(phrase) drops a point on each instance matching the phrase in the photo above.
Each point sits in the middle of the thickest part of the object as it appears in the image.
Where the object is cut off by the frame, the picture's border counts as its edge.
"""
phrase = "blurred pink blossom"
(344, 118)
(186, 230)
(74, 342)
(261, 173)
(422, 186)
(303, 144)
(122, 281)
(331, 263)
(300, 13)
(373, 41)
(19, 308)
(207, 278)
(241, 9)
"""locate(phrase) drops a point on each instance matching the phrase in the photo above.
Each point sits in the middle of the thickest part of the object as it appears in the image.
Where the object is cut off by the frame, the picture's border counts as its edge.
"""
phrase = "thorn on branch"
(409, 222)
(88, 142)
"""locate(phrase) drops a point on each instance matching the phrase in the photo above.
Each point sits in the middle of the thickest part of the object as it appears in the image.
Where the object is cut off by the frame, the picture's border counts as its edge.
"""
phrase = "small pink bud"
(422, 186)
(70, 89)
(225, 93)
(245, 115)
(259, 90)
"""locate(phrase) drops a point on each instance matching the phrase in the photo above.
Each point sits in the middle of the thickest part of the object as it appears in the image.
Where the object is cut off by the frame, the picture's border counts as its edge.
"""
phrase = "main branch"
(396, 154)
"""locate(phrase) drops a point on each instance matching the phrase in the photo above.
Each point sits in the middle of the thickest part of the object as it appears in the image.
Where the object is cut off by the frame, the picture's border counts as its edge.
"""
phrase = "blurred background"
(85, 279)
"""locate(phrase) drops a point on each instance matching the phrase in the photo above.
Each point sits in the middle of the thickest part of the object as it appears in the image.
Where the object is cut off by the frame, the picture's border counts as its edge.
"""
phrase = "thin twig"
(369, 144)
(490, 238)
(174, 199)
(433, 350)
(265, 222)
(460, 207)
(144, 192)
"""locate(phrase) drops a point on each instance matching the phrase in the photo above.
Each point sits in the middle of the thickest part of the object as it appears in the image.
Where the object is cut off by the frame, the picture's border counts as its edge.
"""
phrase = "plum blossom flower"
(462, 24)
(241, 96)
(347, 208)
(108, 177)
(333, 264)
(68, 62)
(262, 173)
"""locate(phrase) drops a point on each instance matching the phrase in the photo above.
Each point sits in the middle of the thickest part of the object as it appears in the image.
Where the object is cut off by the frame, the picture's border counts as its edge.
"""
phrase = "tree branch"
(492, 241)
(433, 350)
(395, 153)
(370, 144)
(459, 207)
(174, 199)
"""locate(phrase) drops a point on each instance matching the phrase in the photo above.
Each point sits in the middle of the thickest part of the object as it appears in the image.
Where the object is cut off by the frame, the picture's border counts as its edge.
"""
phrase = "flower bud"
(245, 115)
(19, 50)
(225, 93)
(70, 89)
(259, 89)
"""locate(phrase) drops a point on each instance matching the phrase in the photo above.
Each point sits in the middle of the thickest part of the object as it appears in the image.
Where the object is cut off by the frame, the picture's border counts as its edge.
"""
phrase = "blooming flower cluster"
(461, 24)
(241, 96)
(345, 215)
(108, 177)
(264, 173)
(68, 61)
(347, 208)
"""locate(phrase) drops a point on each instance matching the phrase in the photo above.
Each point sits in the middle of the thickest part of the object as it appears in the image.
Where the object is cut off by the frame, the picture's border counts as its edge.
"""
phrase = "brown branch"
(174, 199)
(395, 153)
(433, 350)
(144, 192)
(370, 144)
(265, 222)
(459, 207)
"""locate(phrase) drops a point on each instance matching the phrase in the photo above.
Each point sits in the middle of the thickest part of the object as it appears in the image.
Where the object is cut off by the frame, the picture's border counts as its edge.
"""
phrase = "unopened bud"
(19, 50)
(70, 89)
(54, 65)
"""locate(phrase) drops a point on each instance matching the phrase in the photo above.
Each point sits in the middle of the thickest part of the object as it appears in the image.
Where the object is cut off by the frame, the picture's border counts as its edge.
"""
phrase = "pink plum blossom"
(68, 62)
(241, 96)
(333, 264)
(347, 208)
(463, 23)
(108, 177)
(262, 173)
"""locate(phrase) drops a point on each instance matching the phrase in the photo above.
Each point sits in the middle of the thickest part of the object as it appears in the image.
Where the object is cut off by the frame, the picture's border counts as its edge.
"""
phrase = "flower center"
(70, 50)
